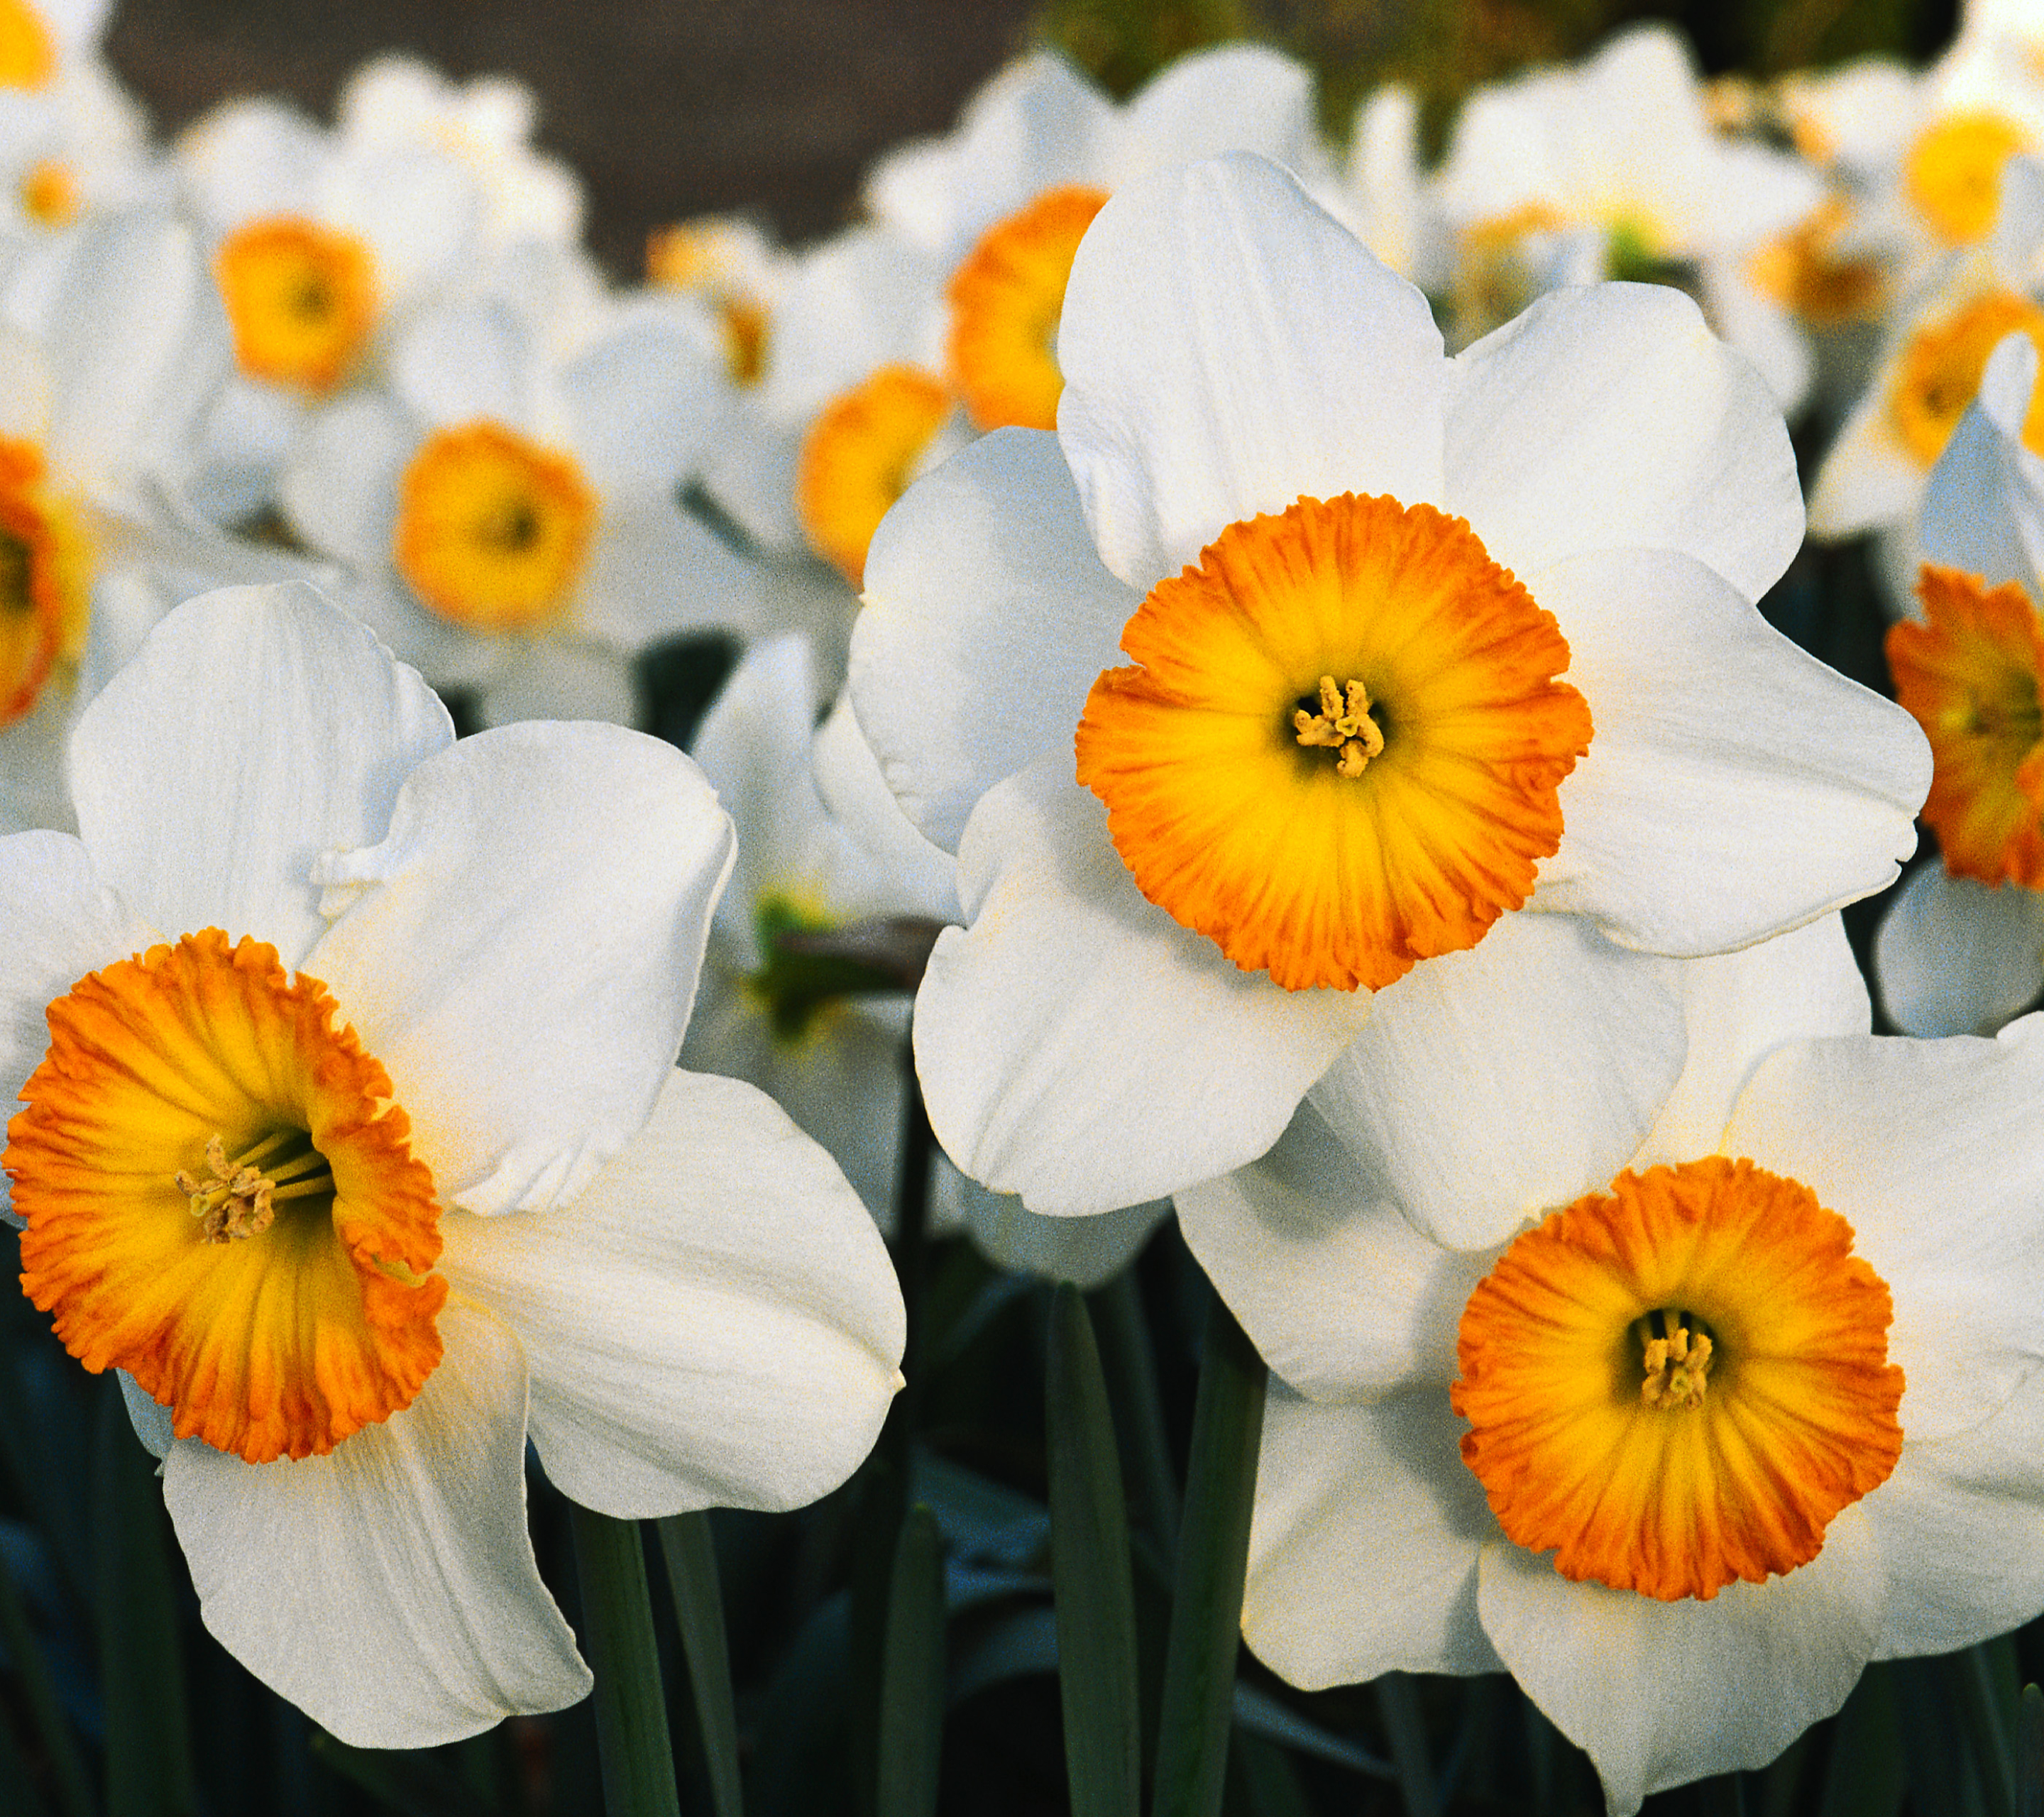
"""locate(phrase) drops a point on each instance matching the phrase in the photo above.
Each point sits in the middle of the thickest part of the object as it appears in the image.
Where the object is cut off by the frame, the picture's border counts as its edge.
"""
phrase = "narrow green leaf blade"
(1398, 1708)
(2029, 1753)
(66, 1769)
(1090, 1574)
(617, 1636)
(1213, 1558)
(912, 1686)
(689, 1551)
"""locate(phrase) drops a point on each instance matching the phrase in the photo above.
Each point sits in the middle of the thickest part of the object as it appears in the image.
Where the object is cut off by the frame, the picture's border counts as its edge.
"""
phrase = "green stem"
(689, 1550)
(1398, 1707)
(74, 1792)
(1980, 1702)
(2029, 1753)
(1722, 1796)
(911, 1678)
(1213, 1559)
(631, 1709)
(1130, 1362)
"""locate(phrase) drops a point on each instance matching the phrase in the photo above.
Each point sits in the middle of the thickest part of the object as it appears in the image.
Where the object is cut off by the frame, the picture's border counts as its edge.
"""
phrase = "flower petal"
(1228, 348)
(340, 487)
(1953, 956)
(1984, 508)
(988, 618)
(1611, 418)
(388, 1589)
(714, 1320)
(1868, 479)
(1229, 98)
(521, 952)
(1568, 1043)
(1363, 1546)
(643, 404)
(258, 726)
(1929, 1150)
(1735, 787)
(1078, 1047)
(1088, 1252)
(1344, 1298)
(1658, 1694)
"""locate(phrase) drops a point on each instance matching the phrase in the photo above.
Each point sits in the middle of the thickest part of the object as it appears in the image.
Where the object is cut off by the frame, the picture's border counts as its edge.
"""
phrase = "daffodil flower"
(350, 1133)
(1449, 711)
(1687, 1453)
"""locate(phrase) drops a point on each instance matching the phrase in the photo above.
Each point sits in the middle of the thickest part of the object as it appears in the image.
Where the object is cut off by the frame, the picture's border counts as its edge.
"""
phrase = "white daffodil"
(1347, 828)
(1611, 169)
(1961, 949)
(1686, 1455)
(512, 506)
(351, 1134)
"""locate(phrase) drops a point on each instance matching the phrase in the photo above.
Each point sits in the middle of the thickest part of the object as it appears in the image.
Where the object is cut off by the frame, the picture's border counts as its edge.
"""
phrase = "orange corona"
(1340, 748)
(301, 298)
(1942, 365)
(858, 457)
(1676, 1385)
(222, 1200)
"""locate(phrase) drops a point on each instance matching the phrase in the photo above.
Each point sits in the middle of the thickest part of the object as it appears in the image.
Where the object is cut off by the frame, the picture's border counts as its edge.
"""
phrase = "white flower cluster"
(1267, 648)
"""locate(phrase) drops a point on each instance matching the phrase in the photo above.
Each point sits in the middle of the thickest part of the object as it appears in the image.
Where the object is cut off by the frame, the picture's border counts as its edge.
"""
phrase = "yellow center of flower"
(858, 457)
(1939, 372)
(493, 530)
(28, 58)
(1803, 272)
(46, 565)
(301, 299)
(1970, 675)
(1006, 301)
(1380, 631)
(221, 1199)
(701, 260)
(1680, 1383)
(1953, 173)
(49, 193)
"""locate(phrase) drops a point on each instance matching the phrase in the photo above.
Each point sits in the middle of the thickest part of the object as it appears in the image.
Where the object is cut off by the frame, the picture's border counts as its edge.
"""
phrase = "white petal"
(1363, 1546)
(1088, 1252)
(464, 361)
(258, 728)
(388, 1588)
(1931, 1151)
(1960, 1528)
(1953, 956)
(988, 618)
(560, 678)
(521, 951)
(653, 572)
(1984, 508)
(340, 487)
(1492, 1084)
(714, 1320)
(1076, 1045)
(1611, 418)
(643, 404)
(923, 875)
(1231, 98)
(1344, 1298)
(1228, 347)
(1739, 1008)
(1734, 787)
(1869, 479)
(1658, 1694)
(1762, 330)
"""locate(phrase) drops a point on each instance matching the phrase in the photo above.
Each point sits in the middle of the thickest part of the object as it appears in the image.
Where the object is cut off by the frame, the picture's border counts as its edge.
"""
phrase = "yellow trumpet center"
(1942, 364)
(1007, 299)
(301, 299)
(1953, 173)
(1678, 1384)
(1383, 633)
(49, 195)
(46, 565)
(493, 530)
(28, 56)
(1970, 674)
(858, 457)
(220, 1199)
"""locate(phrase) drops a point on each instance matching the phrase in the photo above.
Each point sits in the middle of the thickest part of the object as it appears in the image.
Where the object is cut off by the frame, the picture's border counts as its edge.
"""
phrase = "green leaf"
(148, 1756)
(618, 1636)
(1128, 1359)
(18, 1639)
(1089, 1573)
(1865, 1777)
(413, 1783)
(2029, 1753)
(1213, 1558)
(1398, 1708)
(1982, 1691)
(689, 1550)
(912, 1685)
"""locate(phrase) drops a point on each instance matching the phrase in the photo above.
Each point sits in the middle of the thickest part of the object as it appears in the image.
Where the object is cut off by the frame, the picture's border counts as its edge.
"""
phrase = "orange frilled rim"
(1007, 300)
(1242, 809)
(1676, 1476)
(1968, 673)
(493, 530)
(273, 1324)
(858, 457)
(301, 300)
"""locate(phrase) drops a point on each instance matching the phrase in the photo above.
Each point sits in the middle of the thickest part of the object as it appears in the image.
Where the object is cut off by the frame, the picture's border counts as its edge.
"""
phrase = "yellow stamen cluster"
(239, 1201)
(1677, 1364)
(1342, 724)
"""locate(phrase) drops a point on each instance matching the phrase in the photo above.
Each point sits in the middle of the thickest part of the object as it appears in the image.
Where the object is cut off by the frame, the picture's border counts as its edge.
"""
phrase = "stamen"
(1342, 724)
(239, 1201)
(1677, 1363)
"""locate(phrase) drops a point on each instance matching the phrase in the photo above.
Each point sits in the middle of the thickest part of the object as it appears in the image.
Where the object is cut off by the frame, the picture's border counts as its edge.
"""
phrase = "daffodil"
(1688, 1452)
(1418, 744)
(349, 1132)
(512, 504)
(1961, 949)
